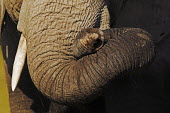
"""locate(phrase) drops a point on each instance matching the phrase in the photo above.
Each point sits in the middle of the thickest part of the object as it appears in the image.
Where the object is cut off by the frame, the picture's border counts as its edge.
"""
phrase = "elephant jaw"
(18, 62)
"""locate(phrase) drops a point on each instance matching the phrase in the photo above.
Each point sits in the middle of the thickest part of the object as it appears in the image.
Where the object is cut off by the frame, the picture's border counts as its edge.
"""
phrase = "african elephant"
(72, 53)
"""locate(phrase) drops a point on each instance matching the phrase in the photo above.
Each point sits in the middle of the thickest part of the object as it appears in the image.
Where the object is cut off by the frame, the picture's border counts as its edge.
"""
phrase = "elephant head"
(72, 52)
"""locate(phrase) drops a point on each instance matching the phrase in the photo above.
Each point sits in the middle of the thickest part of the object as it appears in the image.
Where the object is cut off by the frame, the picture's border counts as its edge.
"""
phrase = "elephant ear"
(13, 8)
(2, 11)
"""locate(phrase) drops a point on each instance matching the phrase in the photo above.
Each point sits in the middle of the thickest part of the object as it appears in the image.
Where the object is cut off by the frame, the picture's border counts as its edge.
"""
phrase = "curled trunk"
(62, 77)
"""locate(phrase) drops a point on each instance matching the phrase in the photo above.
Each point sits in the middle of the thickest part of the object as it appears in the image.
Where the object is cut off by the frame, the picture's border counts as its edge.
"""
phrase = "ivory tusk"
(19, 62)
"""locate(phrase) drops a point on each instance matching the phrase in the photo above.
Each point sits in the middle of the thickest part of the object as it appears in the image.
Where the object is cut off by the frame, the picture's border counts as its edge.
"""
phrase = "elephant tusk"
(19, 62)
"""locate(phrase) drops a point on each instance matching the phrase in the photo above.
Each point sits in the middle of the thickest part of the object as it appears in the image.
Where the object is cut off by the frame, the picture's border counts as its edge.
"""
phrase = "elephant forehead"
(64, 16)
(69, 2)
(66, 8)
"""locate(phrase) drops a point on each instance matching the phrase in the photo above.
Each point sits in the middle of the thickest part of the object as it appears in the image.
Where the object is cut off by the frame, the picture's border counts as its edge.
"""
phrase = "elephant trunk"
(62, 77)
(55, 69)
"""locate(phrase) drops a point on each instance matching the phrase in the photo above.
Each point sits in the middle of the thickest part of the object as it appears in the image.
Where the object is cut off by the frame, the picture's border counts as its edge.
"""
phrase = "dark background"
(147, 91)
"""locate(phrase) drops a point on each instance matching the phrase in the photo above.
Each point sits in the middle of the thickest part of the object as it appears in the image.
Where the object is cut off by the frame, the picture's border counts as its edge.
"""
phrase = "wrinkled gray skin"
(70, 63)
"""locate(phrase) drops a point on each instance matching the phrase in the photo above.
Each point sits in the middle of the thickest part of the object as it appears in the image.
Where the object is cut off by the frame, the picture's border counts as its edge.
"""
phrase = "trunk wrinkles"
(53, 26)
